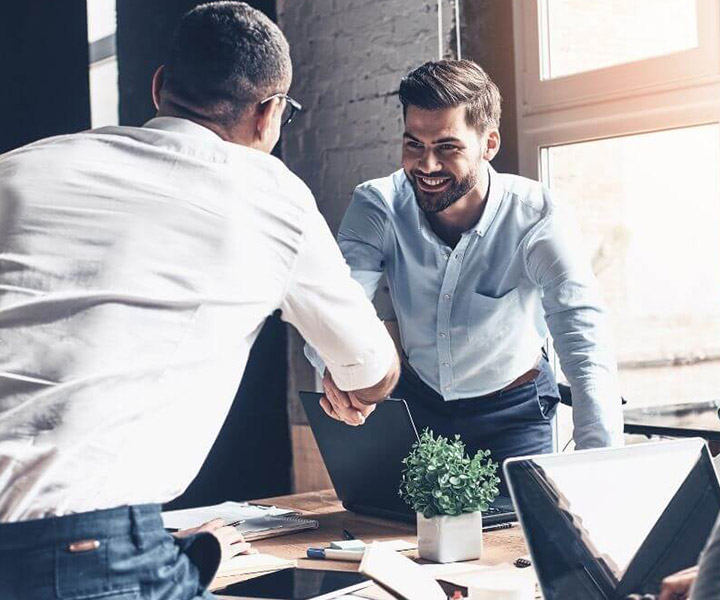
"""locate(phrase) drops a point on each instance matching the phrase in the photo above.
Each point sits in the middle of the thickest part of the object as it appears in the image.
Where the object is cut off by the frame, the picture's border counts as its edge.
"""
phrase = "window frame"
(659, 93)
(666, 92)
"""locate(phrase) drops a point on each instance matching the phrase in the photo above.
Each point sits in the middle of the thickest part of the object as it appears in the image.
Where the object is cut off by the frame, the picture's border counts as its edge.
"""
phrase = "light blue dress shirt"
(473, 318)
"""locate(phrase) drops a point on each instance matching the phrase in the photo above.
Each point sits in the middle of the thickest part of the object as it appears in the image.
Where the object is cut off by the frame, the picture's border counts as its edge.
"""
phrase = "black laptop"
(365, 462)
(602, 524)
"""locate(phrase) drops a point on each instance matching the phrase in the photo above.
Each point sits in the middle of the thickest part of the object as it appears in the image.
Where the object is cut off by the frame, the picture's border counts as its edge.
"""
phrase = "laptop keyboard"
(495, 515)
(494, 510)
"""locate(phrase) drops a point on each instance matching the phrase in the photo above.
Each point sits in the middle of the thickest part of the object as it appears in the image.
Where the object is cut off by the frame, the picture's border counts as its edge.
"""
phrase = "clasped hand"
(344, 406)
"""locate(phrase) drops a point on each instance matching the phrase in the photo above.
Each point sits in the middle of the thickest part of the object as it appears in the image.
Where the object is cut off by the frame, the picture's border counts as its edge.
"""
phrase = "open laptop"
(602, 524)
(365, 463)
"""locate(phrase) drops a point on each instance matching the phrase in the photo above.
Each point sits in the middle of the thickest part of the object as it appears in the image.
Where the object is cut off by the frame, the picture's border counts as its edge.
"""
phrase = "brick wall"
(349, 57)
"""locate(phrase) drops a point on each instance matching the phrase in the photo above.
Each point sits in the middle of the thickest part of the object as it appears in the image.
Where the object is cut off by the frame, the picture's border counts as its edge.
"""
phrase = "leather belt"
(523, 379)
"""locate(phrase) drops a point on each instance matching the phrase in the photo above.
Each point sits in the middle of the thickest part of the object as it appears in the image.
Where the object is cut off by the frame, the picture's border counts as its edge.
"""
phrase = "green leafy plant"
(439, 478)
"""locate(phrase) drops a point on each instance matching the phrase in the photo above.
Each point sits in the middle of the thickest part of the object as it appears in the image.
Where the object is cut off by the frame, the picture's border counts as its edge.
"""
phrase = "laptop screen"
(591, 518)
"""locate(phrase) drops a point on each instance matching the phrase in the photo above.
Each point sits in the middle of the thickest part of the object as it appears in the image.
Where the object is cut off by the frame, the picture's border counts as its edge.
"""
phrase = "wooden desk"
(499, 547)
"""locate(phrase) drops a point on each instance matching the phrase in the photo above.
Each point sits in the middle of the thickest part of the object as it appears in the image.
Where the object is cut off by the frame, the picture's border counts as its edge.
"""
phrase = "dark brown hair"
(450, 83)
(225, 57)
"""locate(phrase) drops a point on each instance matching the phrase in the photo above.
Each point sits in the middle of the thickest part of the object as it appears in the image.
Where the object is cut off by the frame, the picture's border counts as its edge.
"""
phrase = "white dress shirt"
(137, 266)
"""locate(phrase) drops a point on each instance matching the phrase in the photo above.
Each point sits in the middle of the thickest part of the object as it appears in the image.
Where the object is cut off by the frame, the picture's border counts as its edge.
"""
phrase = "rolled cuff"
(368, 371)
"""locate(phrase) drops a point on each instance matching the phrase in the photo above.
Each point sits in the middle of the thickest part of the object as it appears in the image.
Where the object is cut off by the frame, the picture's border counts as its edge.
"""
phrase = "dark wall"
(144, 33)
(251, 457)
(44, 67)
(487, 38)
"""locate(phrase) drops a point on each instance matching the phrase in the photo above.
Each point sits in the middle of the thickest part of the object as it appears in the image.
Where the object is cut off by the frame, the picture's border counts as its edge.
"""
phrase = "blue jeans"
(117, 554)
(509, 423)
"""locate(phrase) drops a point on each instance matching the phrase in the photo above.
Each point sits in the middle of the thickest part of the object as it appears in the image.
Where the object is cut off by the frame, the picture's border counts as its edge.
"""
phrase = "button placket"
(445, 304)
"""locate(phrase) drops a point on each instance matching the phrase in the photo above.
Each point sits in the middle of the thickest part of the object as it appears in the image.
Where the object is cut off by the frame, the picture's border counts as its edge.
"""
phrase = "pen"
(497, 526)
(332, 554)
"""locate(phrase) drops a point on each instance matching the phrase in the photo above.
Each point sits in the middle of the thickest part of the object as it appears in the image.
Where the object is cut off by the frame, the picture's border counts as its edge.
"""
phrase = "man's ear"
(157, 84)
(266, 119)
(492, 144)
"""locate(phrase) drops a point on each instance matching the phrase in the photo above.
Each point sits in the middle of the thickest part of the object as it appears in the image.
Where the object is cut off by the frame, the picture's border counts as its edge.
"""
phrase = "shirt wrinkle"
(154, 266)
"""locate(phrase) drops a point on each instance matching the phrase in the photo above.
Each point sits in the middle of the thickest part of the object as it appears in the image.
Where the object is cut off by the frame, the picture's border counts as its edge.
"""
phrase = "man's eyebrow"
(444, 140)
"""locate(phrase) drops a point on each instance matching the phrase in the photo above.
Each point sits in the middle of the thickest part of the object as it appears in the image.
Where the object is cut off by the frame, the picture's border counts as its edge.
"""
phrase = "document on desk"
(249, 564)
(252, 521)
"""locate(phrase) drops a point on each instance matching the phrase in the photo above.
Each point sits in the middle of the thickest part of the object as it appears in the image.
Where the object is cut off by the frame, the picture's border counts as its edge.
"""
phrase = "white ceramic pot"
(447, 539)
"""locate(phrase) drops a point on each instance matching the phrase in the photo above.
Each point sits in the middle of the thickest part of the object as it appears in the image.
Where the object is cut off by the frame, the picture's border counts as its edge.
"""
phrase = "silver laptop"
(602, 524)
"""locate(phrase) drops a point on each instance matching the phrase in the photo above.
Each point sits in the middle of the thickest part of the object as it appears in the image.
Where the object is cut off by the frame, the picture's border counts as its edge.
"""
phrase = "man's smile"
(432, 184)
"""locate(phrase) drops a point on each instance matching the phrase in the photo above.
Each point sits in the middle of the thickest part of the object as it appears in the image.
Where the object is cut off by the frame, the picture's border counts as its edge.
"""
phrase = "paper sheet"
(228, 511)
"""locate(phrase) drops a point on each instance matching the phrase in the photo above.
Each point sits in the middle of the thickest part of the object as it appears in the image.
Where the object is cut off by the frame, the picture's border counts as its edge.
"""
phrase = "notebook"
(253, 521)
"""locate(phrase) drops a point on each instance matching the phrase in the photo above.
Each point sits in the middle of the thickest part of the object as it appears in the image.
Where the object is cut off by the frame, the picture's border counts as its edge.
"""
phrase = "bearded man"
(480, 266)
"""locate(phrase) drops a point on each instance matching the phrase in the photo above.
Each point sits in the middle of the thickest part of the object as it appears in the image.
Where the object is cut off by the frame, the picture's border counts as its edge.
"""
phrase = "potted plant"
(448, 490)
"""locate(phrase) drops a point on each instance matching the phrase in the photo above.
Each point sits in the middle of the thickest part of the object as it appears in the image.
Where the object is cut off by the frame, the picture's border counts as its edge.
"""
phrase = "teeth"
(433, 181)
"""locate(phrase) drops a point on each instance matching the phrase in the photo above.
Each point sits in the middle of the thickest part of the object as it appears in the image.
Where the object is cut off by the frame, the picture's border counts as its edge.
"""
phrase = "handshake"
(353, 407)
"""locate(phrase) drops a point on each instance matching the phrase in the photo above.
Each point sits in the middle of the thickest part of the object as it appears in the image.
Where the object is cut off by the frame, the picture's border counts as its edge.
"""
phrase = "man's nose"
(428, 163)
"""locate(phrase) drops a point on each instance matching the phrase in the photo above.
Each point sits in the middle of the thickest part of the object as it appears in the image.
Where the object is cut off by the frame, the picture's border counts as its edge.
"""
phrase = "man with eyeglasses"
(137, 265)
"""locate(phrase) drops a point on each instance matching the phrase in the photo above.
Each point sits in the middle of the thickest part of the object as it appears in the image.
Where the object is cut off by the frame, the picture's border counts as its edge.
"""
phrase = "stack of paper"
(230, 512)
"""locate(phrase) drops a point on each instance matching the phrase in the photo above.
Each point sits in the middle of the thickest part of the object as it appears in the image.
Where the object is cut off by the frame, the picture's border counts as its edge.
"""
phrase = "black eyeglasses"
(292, 107)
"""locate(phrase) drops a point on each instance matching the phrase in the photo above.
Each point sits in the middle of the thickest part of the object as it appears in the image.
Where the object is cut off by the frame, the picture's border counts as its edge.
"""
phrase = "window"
(619, 114)
(586, 36)
(103, 62)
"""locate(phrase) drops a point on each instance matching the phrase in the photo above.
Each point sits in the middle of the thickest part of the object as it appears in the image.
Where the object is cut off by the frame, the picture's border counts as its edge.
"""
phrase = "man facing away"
(137, 266)
(480, 266)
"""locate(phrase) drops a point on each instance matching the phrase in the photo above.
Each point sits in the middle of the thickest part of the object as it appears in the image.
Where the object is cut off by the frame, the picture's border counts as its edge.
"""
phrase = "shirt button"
(446, 297)
(446, 364)
(446, 256)
(447, 387)
(443, 334)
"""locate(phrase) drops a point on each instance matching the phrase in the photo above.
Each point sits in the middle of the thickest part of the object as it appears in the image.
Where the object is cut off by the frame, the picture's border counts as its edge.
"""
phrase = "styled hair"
(225, 57)
(450, 83)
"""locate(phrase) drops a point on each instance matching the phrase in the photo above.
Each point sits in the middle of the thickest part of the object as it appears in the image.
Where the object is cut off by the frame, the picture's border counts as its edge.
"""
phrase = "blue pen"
(333, 554)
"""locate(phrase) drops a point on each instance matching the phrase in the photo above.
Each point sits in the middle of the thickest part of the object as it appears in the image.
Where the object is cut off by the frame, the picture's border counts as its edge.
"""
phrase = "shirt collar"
(492, 206)
(184, 126)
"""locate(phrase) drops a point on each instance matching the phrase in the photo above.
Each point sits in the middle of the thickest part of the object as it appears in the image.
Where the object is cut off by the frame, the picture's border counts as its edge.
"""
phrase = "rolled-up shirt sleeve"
(556, 262)
(332, 312)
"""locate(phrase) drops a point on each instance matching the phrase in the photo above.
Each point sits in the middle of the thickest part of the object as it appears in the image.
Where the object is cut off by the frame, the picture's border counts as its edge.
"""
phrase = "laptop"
(602, 524)
(365, 462)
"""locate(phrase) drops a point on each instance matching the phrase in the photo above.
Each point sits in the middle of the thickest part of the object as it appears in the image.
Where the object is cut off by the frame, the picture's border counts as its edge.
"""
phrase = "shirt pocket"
(491, 318)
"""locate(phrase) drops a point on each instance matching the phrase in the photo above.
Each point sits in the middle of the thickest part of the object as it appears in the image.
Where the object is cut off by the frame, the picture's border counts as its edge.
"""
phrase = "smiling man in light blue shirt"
(481, 267)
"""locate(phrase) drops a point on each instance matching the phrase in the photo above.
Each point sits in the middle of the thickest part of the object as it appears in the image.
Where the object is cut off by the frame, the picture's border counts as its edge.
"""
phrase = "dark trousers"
(118, 554)
(509, 423)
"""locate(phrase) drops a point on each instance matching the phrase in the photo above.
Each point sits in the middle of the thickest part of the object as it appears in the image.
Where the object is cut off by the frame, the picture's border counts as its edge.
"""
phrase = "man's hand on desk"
(231, 541)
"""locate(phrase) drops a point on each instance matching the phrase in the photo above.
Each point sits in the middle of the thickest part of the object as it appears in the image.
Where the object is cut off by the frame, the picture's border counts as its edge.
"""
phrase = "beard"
(435, 202)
